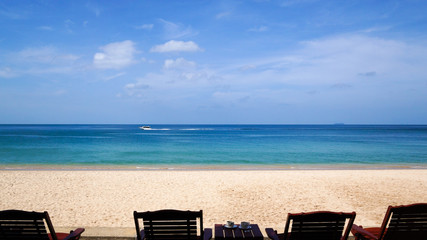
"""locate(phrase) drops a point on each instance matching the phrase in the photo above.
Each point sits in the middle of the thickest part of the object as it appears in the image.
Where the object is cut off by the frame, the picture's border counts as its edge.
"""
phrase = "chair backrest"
(320, 225)
(405, 222)
(170, 224)
(22, 225)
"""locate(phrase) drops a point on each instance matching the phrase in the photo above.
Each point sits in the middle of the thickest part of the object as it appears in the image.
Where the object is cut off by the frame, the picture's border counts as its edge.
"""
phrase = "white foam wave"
(197, 129)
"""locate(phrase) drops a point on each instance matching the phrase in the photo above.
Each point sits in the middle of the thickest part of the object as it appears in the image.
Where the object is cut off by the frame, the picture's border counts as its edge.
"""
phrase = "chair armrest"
(75, 234)
(142, 232)
(358, 231)
(272, 234)
(207, 233)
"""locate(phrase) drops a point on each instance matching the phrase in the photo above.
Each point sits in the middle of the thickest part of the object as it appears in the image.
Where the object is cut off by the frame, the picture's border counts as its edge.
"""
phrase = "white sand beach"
(97, 199)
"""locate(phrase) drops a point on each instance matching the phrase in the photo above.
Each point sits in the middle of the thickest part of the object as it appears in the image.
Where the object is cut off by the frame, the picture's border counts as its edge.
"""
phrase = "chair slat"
(22, 225)
(407, 222)
(177, 223)
(171, 232)
(319, 225)
(326, 224)
(409, 225)
(317, 236)
(169, 237)
(401, 222)
(170, 224)
(171, 227)
(317, 229)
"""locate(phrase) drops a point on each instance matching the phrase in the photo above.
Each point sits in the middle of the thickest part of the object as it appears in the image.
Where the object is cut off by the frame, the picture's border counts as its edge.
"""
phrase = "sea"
(177, 147)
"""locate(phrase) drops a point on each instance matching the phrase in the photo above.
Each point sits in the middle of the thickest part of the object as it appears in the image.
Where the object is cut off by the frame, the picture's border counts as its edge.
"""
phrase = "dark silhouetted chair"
(22, 225)
(320, 225)
(400, 222)
(171, 224)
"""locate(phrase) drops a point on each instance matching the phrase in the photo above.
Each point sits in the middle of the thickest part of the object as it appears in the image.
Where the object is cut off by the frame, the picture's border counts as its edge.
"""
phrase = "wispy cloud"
(115, 76)
(176, 46)
(41, 55)
(6, 72)
(39, 60)
(177, 30)
(222, 15)
(12, 14)
(60, 92)
(376, 29)
(179, 63)
(367, 74)
(94, 8)
(258, 29)
(69, 24)
(115, 55)
(46, 54)
(45, 28)
(145, 26)
(179, 79)
(288, 3)
(322, 74)
(248, 67)
(136, 89)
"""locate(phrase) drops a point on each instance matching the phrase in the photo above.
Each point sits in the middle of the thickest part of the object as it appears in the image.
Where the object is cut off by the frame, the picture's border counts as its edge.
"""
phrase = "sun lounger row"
(400, 222)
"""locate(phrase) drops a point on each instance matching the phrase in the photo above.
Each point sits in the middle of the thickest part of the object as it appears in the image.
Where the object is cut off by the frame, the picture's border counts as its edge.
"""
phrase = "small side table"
(223, 233)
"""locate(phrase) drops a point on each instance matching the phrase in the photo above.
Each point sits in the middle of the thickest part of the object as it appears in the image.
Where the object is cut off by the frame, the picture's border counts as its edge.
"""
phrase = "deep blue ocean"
(208, 146)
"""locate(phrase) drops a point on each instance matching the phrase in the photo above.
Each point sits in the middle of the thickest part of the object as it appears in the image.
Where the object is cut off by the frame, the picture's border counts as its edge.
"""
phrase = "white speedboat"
(145, 128)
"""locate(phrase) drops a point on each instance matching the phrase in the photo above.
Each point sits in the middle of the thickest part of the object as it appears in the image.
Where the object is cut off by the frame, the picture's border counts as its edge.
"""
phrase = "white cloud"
(179, 63)
(340, 75)
(137, 85)
(115, 55)
(136, 89)
(176, 46)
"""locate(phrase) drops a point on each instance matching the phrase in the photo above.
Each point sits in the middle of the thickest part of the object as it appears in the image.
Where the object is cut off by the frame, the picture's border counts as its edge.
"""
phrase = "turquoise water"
(251, 146)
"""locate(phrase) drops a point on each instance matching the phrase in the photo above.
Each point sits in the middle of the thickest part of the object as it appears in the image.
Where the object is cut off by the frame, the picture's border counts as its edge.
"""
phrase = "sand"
(105, 199)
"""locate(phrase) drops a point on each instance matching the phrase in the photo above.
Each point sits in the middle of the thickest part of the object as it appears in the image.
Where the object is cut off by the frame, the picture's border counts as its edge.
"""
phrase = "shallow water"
(213, 146)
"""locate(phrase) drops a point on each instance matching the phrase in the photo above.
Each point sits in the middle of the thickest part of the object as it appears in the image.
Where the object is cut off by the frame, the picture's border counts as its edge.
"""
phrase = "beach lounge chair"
(320, 225)
(22, 225)
(171, 224)
(400, 222)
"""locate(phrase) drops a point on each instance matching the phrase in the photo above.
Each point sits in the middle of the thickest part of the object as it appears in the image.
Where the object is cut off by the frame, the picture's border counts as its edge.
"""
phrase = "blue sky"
(252, 61)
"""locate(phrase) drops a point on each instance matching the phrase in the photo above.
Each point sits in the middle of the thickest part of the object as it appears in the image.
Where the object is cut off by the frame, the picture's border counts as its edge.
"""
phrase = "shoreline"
(207, 167)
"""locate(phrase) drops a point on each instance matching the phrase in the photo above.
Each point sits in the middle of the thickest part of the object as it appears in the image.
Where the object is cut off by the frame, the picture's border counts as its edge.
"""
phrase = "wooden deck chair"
(22, 225)
(171, 224)
(320, 225)
(400, 222)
